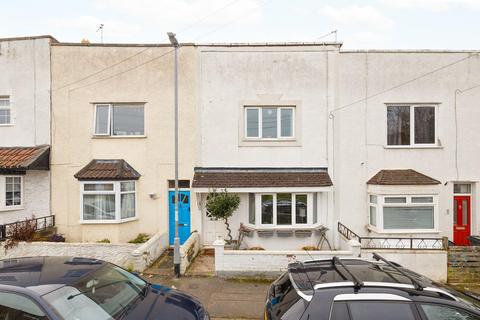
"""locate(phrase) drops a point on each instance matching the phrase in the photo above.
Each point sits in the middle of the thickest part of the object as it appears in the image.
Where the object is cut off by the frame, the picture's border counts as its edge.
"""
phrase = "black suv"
(356, 289)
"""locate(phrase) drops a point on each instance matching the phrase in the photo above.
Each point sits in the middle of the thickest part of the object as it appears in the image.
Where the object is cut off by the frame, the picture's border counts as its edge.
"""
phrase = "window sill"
(6, 125)
(118, 137)
(402, 231)
(11, 208)
(413, 147)
(286, 142)
(87, 222)
(291, 227)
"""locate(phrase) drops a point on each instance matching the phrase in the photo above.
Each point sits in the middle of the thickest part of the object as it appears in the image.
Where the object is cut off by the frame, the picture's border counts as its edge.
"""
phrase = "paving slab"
(224, 299)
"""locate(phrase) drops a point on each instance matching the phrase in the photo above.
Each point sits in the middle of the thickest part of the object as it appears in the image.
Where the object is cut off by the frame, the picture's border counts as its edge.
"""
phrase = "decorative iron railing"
(41, 224)
(397, 243)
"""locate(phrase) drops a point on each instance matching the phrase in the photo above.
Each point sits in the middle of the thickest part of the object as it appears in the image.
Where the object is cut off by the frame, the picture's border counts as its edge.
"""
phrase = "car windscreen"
(104, 294)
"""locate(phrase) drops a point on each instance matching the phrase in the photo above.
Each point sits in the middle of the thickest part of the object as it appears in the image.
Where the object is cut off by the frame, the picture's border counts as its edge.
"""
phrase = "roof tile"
(20, 157)
(401, 177)
(112, 169)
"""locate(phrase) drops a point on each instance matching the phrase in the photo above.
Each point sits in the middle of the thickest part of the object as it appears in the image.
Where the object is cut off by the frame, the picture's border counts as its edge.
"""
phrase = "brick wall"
(464, 265)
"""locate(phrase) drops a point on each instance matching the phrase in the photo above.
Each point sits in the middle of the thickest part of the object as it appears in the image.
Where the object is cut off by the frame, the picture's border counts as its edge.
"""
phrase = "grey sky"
(439, 24)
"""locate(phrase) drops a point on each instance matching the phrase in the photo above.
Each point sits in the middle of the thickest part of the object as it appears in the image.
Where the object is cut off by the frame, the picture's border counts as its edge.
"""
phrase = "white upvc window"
(120, 119)
(5, 111)
(108, 201)
(283, 209)
(11, 187)
(269, 122)
(403, 213)
(412, 125)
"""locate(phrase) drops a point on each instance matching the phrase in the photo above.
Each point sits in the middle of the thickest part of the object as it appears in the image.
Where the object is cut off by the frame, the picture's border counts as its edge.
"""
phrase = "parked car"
(79, 288)
(356, 289)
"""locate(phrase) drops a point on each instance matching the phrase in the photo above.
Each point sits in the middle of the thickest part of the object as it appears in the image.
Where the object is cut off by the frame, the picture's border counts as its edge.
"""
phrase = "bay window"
(269, 122)
(282, 209)
(119, 120)
(5, 111)
(105, 201)
(411, 125)
(396, 213)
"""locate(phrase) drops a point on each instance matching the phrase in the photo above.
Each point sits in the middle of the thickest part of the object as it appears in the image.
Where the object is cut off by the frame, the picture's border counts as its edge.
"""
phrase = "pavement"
(224, 299)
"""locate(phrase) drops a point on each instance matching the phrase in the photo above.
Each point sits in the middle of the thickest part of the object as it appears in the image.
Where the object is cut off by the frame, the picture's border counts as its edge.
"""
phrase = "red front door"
(461, 220)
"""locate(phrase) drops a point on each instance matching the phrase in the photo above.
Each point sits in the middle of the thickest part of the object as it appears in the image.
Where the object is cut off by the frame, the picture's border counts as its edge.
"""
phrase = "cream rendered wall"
(360, 126)
(152, 156)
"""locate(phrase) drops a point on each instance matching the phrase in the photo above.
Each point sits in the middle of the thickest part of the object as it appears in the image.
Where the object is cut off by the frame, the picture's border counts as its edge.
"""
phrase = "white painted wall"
(360, 126)
(36, 198)
(229, 76)
(25, 77)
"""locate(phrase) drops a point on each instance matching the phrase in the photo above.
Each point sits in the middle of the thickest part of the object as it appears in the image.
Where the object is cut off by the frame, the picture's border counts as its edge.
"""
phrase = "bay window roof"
(260, 177)
(111, 169)
(401, 177)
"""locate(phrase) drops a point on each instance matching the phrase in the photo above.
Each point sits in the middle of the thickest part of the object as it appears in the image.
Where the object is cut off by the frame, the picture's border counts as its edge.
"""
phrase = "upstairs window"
(119, 120)
(411, 125)
(5, 111)
(269, 122)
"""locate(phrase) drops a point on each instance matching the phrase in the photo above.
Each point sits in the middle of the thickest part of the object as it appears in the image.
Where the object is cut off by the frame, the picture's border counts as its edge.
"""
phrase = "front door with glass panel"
(461, 220)
(183, 215)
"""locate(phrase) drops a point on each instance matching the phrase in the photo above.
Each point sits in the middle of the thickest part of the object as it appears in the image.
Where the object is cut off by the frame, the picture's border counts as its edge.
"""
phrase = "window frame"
(381, 204)
(274, 224)
(3, 196)
(412, 107)
(118, 201)
(259, 109)
(8, 108)
(111, 121)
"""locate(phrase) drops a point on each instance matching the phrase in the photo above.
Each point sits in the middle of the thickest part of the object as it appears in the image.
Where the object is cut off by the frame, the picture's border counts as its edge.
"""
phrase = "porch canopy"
(259, 179)
(17, 160)
(107, 169)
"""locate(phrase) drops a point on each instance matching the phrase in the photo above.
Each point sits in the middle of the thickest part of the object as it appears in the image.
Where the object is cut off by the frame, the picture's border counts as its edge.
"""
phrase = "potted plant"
(220, 206)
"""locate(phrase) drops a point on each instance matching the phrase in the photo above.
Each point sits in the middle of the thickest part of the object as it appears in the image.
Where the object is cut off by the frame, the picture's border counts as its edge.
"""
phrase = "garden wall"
(188, 251)
(464, 265)
(130, 256)
(268, 263)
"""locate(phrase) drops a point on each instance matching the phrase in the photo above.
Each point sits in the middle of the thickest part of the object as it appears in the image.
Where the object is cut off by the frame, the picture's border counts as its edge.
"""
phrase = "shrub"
(21, 231)
(141, 238)
(104, 241)
(220, 206)
(256, 248)
(309, 248)
(56, 238)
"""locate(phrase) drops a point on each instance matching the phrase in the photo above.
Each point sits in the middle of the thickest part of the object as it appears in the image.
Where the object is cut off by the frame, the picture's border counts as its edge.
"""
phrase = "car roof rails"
(415, 282)
(357, 282)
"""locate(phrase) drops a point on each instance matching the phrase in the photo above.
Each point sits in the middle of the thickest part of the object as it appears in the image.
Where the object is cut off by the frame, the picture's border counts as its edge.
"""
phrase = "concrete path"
(224, 299)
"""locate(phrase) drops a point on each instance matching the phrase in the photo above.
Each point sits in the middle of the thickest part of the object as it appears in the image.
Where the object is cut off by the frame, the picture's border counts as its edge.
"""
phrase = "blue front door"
(183, 215)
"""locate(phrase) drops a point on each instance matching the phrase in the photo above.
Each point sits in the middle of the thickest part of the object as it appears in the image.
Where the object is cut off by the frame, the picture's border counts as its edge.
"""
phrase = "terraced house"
(113, 150)
(24, 129)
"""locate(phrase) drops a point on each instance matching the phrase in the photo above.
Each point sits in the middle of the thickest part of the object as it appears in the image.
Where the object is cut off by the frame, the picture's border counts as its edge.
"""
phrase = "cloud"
(433, 5)
(365, 16)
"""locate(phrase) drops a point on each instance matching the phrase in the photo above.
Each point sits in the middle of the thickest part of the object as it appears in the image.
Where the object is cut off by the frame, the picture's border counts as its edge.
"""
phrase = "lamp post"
(176, 240)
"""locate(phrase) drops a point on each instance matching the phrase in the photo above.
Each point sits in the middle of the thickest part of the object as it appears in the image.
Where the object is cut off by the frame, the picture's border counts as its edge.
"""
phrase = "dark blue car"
(86, 289)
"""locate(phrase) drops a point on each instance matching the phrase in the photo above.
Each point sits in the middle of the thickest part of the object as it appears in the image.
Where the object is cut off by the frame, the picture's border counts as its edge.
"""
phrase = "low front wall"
(129, 256)
(188, 251)
(430, 263)
(464, 265)
(268, 263)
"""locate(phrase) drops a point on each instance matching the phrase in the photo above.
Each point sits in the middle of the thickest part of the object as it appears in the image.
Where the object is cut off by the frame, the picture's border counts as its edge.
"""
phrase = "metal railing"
(397, 243)
(41, 224)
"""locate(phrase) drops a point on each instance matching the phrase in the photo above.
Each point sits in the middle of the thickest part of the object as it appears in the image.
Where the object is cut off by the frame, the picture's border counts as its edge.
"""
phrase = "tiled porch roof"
(260, 177)
(401, 177)
(24, 158)
(112, 169)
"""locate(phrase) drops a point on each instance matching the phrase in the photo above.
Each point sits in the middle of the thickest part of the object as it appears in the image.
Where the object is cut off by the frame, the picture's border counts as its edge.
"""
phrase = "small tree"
(221, 205)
